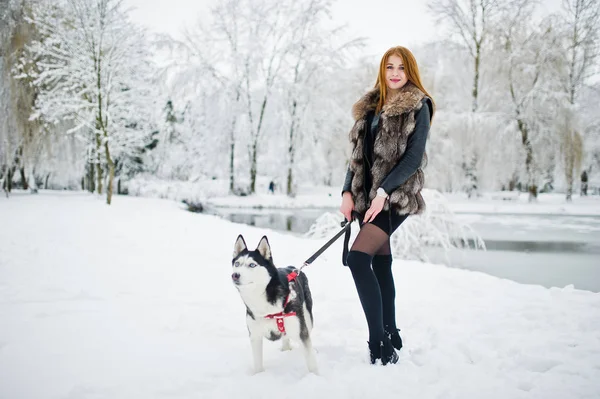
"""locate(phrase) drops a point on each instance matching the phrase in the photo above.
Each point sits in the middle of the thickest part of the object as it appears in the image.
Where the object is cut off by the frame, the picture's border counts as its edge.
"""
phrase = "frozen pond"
(549, 250)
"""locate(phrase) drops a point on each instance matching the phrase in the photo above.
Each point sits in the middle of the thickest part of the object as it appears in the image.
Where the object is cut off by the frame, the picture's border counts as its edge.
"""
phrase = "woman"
(383, 185)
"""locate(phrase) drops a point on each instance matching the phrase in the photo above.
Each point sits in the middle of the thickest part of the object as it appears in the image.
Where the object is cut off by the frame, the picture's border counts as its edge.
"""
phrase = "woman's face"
(395, 77)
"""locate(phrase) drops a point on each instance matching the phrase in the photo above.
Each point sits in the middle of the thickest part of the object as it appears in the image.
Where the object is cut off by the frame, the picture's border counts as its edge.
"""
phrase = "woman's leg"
(382, 268)
(367, 243)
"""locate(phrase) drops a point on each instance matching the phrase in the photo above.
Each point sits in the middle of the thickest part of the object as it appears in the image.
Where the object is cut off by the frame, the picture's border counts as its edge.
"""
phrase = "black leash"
(346, 224)
(357, 216)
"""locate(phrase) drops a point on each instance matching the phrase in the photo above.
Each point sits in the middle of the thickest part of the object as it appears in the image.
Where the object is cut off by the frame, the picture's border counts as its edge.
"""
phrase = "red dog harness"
(279, 316)
(292, 276)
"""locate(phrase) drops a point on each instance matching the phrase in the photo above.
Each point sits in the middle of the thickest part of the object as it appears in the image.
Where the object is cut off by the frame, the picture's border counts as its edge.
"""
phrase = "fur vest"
(396, 123)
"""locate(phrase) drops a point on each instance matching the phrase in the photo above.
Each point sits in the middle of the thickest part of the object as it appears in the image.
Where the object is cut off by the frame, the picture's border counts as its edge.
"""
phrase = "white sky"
(384, 23)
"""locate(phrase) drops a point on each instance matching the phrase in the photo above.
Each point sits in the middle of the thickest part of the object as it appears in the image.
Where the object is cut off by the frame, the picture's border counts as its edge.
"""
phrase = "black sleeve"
(413, 156)
(348, 181)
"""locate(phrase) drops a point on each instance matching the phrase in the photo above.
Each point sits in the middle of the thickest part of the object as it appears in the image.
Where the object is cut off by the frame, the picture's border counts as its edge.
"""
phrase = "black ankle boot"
(382, 350)
(394, 338)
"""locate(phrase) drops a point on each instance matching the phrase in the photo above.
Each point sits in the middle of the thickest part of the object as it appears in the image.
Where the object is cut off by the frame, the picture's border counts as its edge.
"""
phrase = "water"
(293, 221)
(549, 250)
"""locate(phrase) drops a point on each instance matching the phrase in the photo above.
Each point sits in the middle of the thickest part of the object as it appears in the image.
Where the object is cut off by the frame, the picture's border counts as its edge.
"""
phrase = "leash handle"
(357, 216)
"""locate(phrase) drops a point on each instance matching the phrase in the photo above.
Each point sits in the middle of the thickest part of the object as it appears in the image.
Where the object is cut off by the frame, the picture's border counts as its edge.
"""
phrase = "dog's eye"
(236, 264)
(252, 265)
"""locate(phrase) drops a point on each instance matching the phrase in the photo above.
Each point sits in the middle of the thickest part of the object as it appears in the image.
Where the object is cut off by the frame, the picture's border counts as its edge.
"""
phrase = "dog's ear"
(264, 248)
(239, 246)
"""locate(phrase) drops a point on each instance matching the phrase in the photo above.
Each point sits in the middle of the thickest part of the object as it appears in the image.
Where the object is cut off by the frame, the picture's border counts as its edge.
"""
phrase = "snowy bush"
(192, 191)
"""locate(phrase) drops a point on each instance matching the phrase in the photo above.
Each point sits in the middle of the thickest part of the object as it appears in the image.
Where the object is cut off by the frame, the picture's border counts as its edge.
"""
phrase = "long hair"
(410, 69)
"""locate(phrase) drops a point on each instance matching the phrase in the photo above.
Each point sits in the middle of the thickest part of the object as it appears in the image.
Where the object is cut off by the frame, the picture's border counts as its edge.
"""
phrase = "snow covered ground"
(135, 301)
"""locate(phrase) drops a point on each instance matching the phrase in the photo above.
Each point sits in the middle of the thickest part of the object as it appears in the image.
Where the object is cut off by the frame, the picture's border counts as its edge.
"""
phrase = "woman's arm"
(413, 156)
(348, 181)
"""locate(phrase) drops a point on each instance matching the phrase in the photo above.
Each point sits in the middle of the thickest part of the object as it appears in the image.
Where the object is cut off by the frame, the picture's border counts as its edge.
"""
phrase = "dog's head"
(252, 267)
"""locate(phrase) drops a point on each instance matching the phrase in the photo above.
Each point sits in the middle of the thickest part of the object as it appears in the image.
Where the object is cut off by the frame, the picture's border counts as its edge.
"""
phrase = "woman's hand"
(347, 205)
(376, 207)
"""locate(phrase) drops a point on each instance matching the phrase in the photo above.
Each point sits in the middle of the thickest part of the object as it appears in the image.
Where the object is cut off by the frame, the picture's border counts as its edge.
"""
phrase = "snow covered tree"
(590, 114)
(313, 56)
(261, 63)
(211, 60)
(96, 73)
(19, 136)
(526, 51)
(471, 21)
(581, 19)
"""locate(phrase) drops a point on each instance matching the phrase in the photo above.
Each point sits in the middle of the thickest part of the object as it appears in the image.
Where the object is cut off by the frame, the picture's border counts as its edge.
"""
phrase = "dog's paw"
(256, 370)
(286, 345)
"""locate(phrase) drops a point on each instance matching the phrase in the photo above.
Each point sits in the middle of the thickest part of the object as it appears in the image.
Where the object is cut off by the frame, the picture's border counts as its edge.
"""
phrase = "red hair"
(410, 69)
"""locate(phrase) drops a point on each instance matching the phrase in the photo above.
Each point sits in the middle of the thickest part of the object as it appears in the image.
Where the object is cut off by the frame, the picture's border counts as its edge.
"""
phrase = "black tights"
(372, 240)
(375, 285)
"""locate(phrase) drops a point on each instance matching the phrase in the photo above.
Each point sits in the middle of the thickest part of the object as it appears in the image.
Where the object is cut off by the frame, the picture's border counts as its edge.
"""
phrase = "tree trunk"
(232, 157)
(98, 164)
(529, 167)
(290, 177)
(91, 187)
(291, 152)
(46, 181)
(572, 155)
(232, 147)
(7, 183)
(111, 172)
(18, 163)
(469, 167)
(475, 91)
(11, 175)
(23, 178)
(253, 168)
(569, 178)
(3, 178)
(33, 188)
(512, 184)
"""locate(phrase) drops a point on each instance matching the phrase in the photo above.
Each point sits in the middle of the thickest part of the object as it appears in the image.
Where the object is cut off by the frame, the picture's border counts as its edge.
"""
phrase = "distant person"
(383, 184)
(584, 183)
(272, 187)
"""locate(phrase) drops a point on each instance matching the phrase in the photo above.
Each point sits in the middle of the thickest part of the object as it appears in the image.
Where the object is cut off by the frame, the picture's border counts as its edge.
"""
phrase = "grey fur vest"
(397, 122)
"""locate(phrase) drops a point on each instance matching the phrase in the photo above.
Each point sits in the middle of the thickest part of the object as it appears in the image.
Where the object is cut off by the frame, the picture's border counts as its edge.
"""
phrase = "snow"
(135, 301)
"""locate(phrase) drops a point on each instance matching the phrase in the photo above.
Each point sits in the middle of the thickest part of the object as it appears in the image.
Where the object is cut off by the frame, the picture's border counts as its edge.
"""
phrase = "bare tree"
(271, 44)
(472, 21)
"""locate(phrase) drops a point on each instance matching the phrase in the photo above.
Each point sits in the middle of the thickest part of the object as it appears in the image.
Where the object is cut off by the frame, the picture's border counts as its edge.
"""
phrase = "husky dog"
(275, 307)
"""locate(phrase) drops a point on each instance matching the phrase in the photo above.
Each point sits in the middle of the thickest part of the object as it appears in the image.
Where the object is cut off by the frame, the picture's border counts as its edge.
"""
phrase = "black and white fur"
(264, 289)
